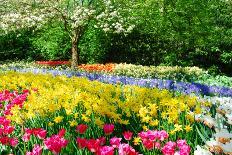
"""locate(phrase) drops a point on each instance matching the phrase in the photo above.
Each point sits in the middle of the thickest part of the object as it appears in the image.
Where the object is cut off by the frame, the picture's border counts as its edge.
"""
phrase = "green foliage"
(15, 46)
(176, 73)
(172, 32)
(51, 43)
(93, 46)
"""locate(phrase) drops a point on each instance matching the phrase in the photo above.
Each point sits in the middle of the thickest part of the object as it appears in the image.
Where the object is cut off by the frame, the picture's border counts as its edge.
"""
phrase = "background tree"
(74, 14)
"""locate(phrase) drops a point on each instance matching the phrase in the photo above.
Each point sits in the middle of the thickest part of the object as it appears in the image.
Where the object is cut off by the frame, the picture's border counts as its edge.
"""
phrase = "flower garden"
(114, 109)
(115, 77)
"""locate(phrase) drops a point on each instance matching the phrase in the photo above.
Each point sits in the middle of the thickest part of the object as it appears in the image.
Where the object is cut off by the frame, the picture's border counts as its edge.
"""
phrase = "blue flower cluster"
(183, 87)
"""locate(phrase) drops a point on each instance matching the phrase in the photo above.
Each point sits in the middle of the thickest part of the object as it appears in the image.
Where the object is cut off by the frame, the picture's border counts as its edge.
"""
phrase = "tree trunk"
(76, 37)
(75, 54)
(75, 50)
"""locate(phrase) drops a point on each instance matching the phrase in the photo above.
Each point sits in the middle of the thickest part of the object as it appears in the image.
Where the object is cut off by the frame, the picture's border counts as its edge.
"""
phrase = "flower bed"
(175, 73)
(187, 88)
(97, 67)
(53, 63)
(43, 113)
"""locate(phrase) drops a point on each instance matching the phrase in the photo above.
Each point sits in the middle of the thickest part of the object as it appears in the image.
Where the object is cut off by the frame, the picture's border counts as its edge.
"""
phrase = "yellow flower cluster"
(81, 99)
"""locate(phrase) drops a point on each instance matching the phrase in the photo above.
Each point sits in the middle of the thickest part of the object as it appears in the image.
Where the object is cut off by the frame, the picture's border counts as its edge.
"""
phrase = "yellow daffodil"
(188, 128)
(178, 127)
(136, 140)
(72, 123)
(50, 124)
(58, 119)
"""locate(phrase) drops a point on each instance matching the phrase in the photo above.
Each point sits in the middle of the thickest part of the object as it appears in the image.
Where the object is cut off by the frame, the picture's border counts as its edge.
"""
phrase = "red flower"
(8, 129)
(148, 144)
(128, 135)
(93, 145)
(108, 128)
(102, 141)
(81, 142)
(39, 132)
(55, 143)
(4, 140)
(62, 132)
(81, 128)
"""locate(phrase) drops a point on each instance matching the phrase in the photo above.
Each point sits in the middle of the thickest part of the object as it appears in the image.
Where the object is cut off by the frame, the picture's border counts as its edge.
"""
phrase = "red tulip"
(81, 128)
(93, 145)
(102, 141)
(62, 132)
(81, 142)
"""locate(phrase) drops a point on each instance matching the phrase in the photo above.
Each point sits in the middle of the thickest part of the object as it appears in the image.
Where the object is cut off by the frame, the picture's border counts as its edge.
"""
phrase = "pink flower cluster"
(38, 132)
(97, 146)
(37, 150)
(178, 148)
(12, 99)
(5, 131)
(152, 138)
(56, 142)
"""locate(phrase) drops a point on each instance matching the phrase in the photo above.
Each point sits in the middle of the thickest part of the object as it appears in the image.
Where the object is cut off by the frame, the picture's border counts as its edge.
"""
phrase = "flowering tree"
(74, 14)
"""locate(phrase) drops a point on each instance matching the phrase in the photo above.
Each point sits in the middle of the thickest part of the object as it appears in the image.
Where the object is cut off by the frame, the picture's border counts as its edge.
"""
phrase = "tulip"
(128, 135)
(115, 142)
(81, 142)
(81, 128)
(108, 129)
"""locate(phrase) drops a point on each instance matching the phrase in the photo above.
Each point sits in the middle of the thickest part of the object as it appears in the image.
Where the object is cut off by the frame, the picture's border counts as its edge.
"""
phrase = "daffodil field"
(47, 114)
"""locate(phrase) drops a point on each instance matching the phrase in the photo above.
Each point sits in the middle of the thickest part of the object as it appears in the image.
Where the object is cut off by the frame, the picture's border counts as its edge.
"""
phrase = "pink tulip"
(106, 150)
(37, 150)
(26, 137)
(40, 133)
(13, 142)
(128, 135)
(115, 142)
(126, 149)
(163, 135)
(55, 143)
(108, 129)
(169, 148)
(181, 142)
(184, 150)
(157, 145)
